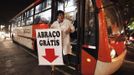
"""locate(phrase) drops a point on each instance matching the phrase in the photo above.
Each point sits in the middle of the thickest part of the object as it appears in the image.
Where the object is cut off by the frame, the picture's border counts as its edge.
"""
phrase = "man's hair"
(60, 12)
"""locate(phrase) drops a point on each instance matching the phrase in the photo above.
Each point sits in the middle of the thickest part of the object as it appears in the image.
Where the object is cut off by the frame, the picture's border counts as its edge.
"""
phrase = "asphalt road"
(15, 61)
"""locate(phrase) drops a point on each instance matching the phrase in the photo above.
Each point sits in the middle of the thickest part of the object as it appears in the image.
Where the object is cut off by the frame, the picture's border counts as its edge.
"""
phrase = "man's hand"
(68, 30)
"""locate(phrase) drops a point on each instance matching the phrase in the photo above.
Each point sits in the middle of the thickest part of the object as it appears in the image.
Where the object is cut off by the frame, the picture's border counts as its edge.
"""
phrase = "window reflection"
(47, 4)
(29, 21)
(90, 28)
(43, 17)
(38, 8)
(19, 24)
(23, 22)
(112, 21)
(70, 9)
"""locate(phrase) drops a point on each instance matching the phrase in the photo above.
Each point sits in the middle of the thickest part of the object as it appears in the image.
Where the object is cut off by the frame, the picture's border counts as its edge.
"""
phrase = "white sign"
(49, 45)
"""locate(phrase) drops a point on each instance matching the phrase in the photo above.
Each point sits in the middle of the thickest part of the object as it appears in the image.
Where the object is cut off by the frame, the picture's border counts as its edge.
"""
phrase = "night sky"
(9, 8)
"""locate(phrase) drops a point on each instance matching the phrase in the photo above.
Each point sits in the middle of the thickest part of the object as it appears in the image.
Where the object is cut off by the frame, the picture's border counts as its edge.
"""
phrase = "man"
(66, 28)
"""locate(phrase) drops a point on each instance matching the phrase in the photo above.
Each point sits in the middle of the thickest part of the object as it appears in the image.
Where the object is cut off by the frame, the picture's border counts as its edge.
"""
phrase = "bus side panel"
(88, 63)
(104, 50)
(23, 36)
(34, 27)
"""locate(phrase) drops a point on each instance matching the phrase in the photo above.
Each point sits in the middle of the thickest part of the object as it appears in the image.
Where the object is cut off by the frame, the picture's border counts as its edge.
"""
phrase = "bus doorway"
(70, 7)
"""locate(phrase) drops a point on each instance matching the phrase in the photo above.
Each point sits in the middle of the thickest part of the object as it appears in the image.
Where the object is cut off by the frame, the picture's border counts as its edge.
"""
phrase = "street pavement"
(14, 60)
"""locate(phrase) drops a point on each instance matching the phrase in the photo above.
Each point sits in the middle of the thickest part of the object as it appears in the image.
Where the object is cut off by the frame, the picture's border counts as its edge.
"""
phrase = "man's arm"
(53, 25)
(72, 28)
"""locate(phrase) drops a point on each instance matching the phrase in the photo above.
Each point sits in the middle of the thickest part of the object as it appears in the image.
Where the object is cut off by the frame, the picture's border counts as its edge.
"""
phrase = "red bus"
(98, 43)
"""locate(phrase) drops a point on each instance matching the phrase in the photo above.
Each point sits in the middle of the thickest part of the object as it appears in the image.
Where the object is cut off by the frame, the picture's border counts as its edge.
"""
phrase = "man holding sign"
(66, 28)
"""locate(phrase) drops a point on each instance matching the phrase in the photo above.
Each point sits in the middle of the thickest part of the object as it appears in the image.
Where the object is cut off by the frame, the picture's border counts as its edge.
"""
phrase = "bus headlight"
(113, 53)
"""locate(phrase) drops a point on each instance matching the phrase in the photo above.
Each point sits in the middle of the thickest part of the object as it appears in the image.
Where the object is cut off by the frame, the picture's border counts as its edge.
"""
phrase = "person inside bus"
(66, 28)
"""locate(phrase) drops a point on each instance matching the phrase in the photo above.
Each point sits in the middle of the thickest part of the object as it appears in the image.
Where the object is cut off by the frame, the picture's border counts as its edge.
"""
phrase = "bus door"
(89, 39)
(70, 8)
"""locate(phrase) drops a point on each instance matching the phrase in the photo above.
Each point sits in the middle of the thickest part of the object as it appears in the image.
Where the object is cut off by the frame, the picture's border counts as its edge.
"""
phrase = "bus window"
(29, 17)
(29, 20)
(28, 13)
(60, 6)
(111, 17)
(70, 5)
(18, 20)
(38, 8)
(46, 4)
(43, 12)
(23, 19)
(114, 27)
(15, 24)
(31, 12)
(45, 17)
(70, 9)
(23, 22)
(90, 26)
(19, 23)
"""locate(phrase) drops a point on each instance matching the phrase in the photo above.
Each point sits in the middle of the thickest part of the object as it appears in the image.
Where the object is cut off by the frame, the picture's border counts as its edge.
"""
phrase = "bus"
(98, 42)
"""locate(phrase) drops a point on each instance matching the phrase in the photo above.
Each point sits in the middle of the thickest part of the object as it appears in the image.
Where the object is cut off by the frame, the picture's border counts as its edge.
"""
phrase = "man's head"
(60, 16)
